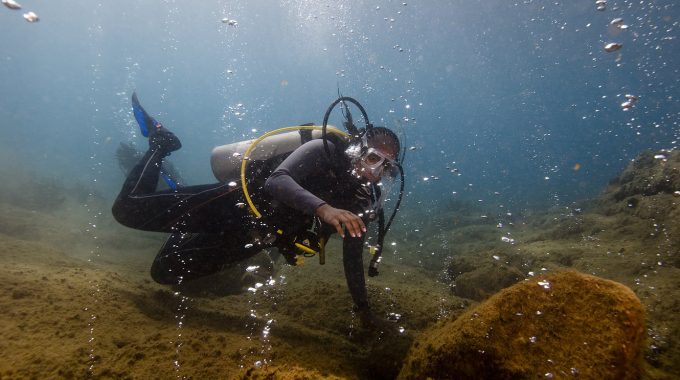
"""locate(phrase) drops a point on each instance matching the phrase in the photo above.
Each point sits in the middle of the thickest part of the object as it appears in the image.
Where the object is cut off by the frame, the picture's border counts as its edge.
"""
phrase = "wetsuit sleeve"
(352, 259)
(284, 183)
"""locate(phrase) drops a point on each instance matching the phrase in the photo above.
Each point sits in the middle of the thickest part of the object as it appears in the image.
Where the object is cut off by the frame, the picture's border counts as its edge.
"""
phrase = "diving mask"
(375, 162)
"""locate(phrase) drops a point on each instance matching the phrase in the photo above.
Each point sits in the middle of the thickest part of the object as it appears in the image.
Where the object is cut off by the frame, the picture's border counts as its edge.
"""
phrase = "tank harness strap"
(305, 135)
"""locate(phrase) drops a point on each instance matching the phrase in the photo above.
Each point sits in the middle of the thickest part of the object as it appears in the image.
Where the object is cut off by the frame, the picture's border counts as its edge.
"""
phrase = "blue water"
(513, 94)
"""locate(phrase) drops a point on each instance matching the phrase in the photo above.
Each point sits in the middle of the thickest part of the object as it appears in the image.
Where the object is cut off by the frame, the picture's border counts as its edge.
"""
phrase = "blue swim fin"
(143, 119)
(169, 181)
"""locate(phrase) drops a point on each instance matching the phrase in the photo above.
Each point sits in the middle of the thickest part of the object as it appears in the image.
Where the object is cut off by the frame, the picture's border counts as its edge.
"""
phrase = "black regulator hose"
(401, 196)
(351, 128)
(375, 260)
(383, 228)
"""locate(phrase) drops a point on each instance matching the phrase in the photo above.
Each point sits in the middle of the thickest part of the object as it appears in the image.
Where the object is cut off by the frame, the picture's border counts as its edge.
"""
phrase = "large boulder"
(562, 324)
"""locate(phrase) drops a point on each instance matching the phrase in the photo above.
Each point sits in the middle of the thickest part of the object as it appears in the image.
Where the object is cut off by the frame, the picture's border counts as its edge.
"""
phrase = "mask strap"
(364, 144)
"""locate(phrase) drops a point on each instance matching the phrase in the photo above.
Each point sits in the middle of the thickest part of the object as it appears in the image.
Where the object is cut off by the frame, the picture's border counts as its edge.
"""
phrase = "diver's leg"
(140, 206)
(210, 208)
(185, 257)
(130, 207)
(143, 178)
(204, 208)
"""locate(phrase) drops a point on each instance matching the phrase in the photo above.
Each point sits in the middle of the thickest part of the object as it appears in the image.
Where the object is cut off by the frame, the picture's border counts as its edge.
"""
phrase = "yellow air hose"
(252, 146)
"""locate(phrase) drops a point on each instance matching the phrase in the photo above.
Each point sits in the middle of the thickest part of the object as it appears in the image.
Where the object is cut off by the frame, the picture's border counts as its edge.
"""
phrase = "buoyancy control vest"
(253, 161)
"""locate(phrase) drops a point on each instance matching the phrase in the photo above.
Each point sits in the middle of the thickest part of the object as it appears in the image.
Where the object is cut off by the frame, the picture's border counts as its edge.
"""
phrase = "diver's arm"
(283, 184)
(282, 187)
(352, 259)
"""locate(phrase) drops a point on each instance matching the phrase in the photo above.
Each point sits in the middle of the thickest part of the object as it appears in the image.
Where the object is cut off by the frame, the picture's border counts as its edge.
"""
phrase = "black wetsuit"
(211, 227)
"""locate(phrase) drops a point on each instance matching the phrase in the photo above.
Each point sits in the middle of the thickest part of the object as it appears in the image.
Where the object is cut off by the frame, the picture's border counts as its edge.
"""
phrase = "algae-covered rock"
(649, 174)
(487, 279)
(562, 324)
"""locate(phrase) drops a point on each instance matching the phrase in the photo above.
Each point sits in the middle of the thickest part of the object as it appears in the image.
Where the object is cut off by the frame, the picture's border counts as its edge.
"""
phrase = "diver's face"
(376, 162)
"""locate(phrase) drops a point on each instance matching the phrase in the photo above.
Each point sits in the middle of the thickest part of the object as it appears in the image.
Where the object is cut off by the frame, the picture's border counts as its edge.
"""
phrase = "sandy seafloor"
(78, 302)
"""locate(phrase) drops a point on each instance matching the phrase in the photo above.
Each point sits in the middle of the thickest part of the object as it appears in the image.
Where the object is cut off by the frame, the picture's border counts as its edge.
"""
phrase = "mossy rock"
(564, 324)
(485, 281)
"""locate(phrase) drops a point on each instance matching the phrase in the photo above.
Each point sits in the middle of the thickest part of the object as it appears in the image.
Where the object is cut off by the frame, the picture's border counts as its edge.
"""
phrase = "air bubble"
(31, 17)
(612, 47)
(11, 4)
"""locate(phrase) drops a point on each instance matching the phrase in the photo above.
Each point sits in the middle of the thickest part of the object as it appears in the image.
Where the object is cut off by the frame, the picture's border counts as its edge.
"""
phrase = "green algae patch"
(564, 324)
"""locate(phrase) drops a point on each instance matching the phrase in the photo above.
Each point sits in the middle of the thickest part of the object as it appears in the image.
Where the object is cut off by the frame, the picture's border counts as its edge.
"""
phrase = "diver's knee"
(122, 215)
(163, 275)
(117, 212)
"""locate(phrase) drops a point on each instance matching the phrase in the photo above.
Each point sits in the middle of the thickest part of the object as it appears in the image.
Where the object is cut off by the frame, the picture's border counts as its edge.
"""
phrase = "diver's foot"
(159, 137)
(163, 140)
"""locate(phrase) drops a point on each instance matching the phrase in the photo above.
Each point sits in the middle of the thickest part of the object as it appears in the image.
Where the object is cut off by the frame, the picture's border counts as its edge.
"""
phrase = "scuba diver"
(297, 187)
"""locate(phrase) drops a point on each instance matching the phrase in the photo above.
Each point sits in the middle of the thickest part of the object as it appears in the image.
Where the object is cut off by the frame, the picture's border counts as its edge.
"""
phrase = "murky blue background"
(512, 94)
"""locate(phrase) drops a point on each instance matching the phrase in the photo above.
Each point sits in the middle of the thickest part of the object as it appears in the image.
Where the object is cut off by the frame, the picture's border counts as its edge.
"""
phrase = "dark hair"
(382, 131)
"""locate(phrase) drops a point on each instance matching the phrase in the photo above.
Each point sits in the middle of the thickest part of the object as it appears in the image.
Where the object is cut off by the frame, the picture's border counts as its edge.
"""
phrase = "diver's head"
(378, 156)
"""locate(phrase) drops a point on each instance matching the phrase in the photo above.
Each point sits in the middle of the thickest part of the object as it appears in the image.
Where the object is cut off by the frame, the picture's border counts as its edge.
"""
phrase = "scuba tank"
(226, 160)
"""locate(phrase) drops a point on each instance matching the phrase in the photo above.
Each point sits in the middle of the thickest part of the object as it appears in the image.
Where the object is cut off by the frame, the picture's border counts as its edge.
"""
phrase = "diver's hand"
(338, 218)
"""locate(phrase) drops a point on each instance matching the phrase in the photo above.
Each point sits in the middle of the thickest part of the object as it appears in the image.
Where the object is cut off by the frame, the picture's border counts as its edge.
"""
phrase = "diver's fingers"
(341, 220)
(332, 216)
(353, 224)
(362, 225)
(338, 227)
